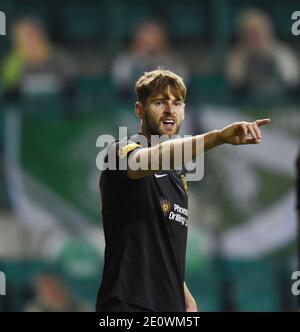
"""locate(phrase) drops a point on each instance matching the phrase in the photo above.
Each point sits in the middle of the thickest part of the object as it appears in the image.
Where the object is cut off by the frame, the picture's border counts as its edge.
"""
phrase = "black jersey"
(145, 225)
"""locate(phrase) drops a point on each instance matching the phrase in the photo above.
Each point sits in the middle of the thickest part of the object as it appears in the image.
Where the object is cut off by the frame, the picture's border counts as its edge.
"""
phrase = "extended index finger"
(262, 122)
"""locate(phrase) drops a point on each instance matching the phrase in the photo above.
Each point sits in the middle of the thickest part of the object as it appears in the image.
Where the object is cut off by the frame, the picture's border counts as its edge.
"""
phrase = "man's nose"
(168, 107)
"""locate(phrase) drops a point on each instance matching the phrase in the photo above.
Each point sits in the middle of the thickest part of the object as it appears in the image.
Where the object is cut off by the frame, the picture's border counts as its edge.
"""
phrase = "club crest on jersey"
(123, 151)
(184, 182)
(165, 206)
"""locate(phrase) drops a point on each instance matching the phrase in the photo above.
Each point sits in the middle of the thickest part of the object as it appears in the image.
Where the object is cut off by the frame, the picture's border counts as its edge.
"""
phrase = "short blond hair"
(157, 82)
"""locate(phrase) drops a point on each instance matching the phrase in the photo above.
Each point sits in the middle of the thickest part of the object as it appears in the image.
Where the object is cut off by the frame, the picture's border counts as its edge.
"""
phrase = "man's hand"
(243, 132)
(190, 303)
(191, 306)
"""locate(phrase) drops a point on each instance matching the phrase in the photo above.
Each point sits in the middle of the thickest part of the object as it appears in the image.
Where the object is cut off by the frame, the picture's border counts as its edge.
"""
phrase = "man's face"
(163, 114)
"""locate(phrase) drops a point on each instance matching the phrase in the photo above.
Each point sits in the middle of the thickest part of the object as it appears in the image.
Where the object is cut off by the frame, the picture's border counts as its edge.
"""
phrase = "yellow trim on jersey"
(123, 151)
(184, 182)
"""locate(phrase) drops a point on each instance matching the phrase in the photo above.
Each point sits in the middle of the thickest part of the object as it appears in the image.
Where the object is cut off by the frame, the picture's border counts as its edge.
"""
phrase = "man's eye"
(158, 103)
(178, 103)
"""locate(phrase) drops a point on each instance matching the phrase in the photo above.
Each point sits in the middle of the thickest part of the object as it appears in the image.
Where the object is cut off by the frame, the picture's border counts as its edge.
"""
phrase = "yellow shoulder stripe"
(123, 151)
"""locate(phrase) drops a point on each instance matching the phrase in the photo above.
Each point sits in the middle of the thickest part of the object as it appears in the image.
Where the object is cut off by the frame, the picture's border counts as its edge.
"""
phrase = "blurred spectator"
(34, 66)
(149, 50)
(260, 65)
(52, 295)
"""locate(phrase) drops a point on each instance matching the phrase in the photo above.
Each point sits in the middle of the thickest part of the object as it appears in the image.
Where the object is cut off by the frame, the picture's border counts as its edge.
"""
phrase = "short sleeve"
(118, 154)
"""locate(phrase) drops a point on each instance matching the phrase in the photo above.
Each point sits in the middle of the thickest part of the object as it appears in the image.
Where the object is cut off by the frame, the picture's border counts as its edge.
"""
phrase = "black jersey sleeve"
(118, 155)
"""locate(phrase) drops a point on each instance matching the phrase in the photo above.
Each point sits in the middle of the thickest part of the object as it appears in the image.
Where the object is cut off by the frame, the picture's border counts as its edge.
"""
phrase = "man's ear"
(139, 110)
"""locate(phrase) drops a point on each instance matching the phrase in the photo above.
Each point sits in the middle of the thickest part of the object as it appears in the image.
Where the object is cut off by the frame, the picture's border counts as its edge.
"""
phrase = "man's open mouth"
(168, 123)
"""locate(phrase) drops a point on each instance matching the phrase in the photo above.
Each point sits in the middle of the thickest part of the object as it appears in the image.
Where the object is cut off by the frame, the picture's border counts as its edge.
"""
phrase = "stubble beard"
(152, 128)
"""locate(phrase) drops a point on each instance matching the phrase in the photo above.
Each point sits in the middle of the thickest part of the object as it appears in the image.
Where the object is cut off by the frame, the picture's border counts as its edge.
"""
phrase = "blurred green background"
(242, 237)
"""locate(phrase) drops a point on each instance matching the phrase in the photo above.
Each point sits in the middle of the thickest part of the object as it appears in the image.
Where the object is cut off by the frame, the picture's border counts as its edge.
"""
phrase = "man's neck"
(143, 131)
